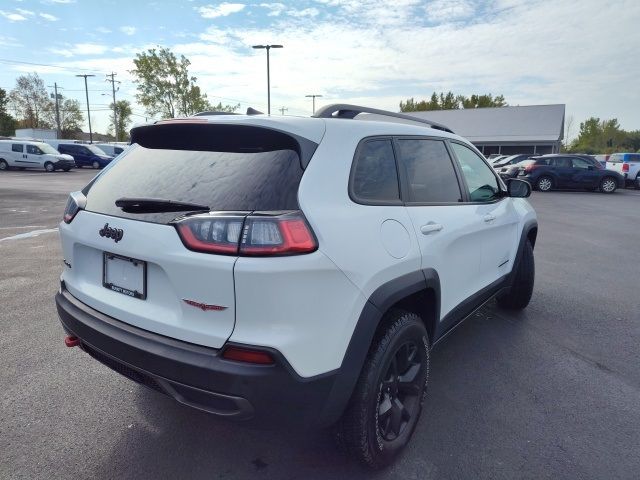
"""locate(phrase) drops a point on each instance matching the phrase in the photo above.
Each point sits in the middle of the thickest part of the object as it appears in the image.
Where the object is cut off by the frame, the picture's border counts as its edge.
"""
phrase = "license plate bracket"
(124, 275)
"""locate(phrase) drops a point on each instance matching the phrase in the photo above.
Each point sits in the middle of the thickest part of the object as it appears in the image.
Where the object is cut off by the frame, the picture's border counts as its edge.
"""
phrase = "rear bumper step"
(197, 376)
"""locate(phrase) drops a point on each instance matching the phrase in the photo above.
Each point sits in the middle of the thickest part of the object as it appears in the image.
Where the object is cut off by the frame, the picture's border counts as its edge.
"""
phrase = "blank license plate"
(125, 275)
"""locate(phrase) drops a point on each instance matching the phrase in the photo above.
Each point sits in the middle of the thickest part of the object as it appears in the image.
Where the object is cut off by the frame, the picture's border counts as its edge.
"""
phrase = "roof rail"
(213, 112)
(344, 110)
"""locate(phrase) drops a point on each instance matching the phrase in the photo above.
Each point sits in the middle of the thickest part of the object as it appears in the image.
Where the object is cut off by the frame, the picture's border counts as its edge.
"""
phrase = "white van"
(31, 154)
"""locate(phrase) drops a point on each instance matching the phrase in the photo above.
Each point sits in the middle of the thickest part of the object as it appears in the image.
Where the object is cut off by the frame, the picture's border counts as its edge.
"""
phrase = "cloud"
(25, 12)
(80, 49)
(443, 11)
(13, 17)
(222, 10)
(103, 30)
(49, 17)
(59, 2)
(275, 9)
(307, 12)
(128, 30)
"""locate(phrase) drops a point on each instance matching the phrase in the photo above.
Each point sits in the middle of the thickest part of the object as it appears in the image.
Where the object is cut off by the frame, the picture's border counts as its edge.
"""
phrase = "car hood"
(64, 156)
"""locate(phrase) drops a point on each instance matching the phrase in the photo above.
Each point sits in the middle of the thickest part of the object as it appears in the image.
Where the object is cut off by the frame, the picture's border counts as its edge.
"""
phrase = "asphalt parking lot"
(552, 392)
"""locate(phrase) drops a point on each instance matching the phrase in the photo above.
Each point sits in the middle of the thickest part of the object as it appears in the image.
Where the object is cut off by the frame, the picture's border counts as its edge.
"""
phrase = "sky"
(370, 52)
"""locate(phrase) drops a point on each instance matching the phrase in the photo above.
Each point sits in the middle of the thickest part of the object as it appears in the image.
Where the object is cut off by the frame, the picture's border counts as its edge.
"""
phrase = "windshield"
(46, 148)
(95, 150)
(503, 161)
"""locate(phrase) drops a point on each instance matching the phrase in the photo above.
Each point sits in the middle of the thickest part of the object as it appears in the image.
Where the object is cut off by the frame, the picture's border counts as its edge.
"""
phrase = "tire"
(383, 411)
(544, 183)
(4, 166)
(95, 165)
(519, 295)
(636, 184)
(48, 166)
(608, 185)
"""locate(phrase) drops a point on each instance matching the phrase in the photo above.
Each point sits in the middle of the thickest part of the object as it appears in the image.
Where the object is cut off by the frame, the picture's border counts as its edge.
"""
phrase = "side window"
(581, 164)
(481, 181)
(375, 178)
(561, 162)
(430, 173)
(118, 150)
(16, 147)
(34, 150)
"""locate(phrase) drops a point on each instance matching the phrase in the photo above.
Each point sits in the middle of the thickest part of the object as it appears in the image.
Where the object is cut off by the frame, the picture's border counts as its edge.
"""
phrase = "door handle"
(488, 218)
(431, 227)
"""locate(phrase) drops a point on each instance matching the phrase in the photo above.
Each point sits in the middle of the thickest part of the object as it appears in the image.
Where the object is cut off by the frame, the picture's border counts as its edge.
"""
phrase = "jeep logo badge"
(109, 232)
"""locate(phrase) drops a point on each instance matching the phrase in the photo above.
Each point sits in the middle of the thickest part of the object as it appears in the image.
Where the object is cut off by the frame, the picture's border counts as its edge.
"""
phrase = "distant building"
(506, 130)
(37, 133)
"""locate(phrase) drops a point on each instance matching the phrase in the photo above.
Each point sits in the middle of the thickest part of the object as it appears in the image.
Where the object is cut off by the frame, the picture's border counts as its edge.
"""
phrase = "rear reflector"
(248, 356)
(625, 167)
(259, 234)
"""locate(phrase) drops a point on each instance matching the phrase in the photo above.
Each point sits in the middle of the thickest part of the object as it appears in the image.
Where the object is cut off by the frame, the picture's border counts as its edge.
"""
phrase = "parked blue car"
(85, 155)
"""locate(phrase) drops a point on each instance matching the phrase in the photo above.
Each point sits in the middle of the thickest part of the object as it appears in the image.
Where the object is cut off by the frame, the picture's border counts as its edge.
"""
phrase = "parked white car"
(292, 271)
(31, 154)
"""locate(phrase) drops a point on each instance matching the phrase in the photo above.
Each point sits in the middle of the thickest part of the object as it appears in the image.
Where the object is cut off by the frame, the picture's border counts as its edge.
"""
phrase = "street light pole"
(267, 48)
(86, 91)
(55, 89)
(314, 101)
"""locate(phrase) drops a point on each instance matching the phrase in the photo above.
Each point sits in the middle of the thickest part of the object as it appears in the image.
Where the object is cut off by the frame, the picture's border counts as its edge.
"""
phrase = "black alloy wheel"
(400, 391)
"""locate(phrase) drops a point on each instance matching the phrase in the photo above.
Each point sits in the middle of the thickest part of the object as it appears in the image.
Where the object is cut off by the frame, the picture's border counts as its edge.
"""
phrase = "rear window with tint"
(615, 158)
(226, 181)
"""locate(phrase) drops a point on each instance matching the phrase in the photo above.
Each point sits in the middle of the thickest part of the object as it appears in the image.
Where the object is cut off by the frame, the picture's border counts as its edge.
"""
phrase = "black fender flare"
(374, 309)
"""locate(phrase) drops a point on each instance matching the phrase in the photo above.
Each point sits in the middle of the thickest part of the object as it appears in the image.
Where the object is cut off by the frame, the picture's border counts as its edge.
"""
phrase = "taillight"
(258, 234)
(625, 167)
(76, 202)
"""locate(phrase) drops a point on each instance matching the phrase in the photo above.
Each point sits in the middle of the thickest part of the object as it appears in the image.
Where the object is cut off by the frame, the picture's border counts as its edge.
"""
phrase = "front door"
(584, 174)
(495, 216)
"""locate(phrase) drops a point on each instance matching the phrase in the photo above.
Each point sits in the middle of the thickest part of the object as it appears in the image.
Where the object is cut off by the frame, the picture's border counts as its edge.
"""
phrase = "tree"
(604, 136)
(7, 122)
(30, 101)
(123, 110)
(164, 84)
(449, 101)
(71, 117)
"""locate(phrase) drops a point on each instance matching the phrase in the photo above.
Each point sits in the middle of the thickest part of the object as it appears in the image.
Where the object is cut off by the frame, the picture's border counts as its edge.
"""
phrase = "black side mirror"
(518, 188)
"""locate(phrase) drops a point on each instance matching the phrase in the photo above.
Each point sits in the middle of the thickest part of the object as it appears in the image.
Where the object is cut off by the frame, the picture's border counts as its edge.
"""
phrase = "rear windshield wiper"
(157, 205)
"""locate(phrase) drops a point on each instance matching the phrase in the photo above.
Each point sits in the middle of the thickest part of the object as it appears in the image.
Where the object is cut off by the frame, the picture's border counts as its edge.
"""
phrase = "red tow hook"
(71, 341)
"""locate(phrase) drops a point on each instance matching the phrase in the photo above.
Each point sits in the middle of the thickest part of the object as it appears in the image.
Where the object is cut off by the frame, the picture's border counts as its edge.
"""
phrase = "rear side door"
(445, 226)
(584, 174)
(563, 171)
(17, 157)
(495, 216)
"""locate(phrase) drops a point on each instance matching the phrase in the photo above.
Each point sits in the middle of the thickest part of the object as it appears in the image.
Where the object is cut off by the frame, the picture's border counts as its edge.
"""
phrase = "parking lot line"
(33, 233)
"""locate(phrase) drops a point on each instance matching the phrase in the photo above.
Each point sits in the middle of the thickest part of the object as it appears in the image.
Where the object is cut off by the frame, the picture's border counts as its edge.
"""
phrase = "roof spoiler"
(344, 110)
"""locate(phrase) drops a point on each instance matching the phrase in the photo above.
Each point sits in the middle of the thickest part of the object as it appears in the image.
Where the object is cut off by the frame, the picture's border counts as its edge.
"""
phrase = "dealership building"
(506, 130)
(535, 129)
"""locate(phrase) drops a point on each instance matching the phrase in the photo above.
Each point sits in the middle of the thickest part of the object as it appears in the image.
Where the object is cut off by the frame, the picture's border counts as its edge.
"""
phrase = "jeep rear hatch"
(139, 254)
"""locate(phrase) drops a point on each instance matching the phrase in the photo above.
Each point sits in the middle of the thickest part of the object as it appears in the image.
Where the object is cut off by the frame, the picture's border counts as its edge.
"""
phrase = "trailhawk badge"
(110, 232)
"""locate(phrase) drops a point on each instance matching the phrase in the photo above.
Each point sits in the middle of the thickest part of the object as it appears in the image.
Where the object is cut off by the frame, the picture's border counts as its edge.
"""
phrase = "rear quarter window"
(16, 147)
(374, 177)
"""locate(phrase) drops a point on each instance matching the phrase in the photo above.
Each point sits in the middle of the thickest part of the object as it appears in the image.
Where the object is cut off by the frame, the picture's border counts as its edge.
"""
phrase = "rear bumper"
(271, 395)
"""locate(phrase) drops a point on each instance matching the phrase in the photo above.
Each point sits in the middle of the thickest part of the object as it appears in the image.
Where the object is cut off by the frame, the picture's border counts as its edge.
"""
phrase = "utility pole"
(314, 101)
(86, 91)
(55, 89)
(115, 110)
(282, 110)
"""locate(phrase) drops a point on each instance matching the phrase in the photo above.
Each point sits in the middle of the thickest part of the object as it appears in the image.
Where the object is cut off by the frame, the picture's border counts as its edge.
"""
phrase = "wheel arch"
(418, 292)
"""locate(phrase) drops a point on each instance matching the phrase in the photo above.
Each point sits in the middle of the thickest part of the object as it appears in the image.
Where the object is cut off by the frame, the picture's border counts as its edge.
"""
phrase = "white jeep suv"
(292, 271)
